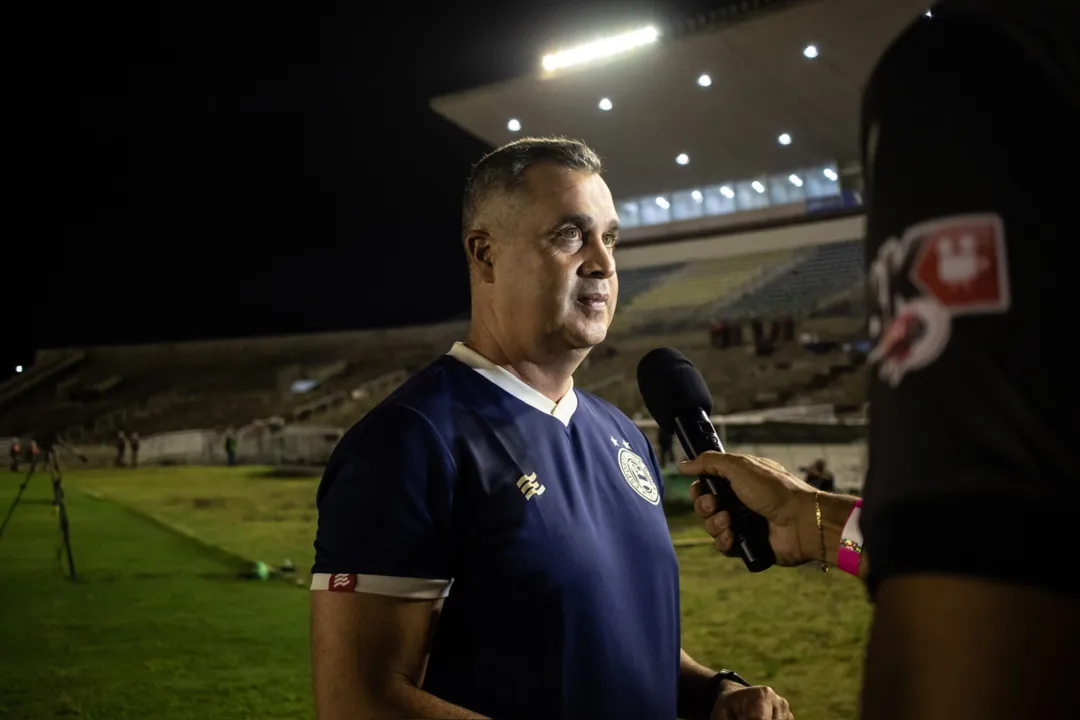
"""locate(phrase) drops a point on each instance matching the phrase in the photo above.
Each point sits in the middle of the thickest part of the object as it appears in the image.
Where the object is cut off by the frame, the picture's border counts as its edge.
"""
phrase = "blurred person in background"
(973, 485)
(134, 449)
(491, 541)
(230, 447)
(15, 454)
(820, 477)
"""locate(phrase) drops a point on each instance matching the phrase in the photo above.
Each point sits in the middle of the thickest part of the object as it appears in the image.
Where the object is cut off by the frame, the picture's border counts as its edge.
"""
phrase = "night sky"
(231, 169)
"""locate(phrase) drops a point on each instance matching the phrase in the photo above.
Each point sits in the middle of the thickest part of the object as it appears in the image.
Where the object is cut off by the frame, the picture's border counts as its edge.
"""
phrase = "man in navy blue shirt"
(491, 541)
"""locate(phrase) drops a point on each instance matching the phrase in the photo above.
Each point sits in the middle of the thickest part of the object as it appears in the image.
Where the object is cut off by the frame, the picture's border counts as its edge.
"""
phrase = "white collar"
(562, 410)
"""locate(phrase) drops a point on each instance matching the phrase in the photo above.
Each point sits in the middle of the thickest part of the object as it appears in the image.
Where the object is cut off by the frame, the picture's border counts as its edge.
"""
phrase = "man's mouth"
(593, 301)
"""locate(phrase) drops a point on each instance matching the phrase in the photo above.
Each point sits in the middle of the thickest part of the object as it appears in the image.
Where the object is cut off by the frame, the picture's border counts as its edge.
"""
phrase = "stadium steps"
(637, 281)
(702, 283)
(825, 271)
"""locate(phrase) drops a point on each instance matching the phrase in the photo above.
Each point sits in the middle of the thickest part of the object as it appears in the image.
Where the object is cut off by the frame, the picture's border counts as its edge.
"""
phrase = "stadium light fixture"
(784, 139)
(758, 186)
(18, 368)
(682, 159)
(600, 49)
(514, 125)
(795, 180)
(810, 51)
(605, 104)
(831, 174)
(662, 203)
(704, 80)
(727, 192)
(698, 197)
(928, 14)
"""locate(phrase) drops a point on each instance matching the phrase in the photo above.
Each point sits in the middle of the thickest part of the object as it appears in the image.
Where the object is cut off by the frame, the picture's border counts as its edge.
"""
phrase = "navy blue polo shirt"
(541, 525)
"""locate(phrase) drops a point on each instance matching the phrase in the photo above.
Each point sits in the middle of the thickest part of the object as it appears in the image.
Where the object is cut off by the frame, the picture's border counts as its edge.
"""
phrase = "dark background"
(231, 169)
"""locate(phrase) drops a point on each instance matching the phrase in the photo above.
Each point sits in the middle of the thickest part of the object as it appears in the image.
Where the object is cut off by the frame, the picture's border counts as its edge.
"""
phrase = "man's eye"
(611, 240)
(571, 233)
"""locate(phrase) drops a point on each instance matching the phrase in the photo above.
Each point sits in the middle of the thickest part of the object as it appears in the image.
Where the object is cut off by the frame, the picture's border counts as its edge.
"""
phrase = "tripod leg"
(61, 506)
(15, 503)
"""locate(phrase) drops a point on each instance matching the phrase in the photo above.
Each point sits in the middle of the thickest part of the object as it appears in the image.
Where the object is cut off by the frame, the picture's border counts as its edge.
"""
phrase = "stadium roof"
(764, 84)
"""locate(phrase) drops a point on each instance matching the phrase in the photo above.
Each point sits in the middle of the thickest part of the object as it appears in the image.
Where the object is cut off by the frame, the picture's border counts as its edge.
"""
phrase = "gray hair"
(504, 169)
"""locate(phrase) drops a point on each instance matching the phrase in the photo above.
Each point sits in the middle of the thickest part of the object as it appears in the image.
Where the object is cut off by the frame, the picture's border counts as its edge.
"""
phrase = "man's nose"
(599, 259)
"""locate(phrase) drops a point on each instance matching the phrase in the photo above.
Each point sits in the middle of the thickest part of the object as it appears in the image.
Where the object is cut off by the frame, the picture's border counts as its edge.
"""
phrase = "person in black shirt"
(971, 125)
(971, 131)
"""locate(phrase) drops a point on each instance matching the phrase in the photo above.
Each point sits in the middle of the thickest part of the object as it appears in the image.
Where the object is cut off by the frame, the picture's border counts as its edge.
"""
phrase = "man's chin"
(587, 336)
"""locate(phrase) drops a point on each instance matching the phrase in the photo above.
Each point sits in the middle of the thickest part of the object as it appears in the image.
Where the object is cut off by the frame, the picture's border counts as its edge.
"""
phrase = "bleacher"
(177, 387)
(691, 288)
(108, 392)
(738, 379)
(818, 274)
(637, 281)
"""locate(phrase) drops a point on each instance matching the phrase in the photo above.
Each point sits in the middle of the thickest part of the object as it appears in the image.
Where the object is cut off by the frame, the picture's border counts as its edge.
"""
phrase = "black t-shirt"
(971, 141)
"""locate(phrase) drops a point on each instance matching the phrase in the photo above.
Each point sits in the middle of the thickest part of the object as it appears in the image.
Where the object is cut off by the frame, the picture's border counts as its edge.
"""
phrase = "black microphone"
(678, 399)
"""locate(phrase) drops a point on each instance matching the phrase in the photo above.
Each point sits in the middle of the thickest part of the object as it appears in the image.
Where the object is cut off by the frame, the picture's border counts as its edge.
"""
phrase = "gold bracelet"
(821, 531)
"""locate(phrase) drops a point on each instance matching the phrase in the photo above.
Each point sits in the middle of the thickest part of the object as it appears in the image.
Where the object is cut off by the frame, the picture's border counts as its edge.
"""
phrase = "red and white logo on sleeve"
(961, 262)
(342, 582)
(957, 267)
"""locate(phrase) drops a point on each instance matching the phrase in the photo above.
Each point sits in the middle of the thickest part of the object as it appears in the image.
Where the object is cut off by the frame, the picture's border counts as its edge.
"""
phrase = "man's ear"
(481, 254)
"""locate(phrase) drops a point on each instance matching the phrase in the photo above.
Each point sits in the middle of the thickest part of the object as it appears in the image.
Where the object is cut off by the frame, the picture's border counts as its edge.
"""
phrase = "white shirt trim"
(562, 410)
(402, 587)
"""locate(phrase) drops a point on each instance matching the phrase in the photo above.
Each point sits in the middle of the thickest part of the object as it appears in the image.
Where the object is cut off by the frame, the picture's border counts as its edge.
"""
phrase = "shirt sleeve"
(974, 469)
(385, 510)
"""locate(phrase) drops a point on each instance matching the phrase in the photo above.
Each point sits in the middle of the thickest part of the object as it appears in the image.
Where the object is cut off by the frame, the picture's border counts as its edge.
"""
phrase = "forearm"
(697, 695)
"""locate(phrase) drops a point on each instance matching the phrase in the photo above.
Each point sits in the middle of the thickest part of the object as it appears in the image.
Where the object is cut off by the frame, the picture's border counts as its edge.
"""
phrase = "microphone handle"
(696, 435)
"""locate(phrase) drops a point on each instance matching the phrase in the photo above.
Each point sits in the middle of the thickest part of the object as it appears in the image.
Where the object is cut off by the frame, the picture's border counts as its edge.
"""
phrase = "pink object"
(850, 551)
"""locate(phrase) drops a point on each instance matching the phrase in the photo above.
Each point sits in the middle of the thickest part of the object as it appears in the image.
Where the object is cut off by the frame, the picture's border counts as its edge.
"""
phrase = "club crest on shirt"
(637, 475)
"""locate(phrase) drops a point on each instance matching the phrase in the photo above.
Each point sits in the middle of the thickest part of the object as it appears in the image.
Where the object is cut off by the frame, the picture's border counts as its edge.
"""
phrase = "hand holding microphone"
(678, 399)
(787, 502)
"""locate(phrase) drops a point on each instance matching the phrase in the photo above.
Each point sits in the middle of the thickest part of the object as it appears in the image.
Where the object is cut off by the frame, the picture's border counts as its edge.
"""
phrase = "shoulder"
(414, 415)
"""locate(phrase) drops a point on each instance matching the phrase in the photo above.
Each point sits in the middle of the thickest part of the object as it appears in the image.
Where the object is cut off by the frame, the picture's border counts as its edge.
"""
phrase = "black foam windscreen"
(670, 384)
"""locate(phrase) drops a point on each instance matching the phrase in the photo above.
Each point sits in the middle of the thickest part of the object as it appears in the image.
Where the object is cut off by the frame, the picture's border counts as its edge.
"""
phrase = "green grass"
(156, 627)
(160, 626)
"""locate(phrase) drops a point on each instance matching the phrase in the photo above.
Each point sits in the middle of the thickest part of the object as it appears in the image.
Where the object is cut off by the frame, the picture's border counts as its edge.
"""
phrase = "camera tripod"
(52, 464)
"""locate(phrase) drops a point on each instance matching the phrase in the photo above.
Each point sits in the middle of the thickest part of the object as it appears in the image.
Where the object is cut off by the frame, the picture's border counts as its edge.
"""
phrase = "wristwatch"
(725, 675)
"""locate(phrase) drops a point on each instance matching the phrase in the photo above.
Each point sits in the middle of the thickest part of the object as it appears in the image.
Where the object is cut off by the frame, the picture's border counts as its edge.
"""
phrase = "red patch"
(961, 262)
(342, 582)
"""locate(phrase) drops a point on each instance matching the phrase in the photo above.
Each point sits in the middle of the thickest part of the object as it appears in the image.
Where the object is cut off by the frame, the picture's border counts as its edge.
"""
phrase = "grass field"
(161, 625)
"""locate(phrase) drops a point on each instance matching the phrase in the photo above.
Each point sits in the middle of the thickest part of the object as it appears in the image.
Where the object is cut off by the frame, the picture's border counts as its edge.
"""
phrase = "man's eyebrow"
(582, 220)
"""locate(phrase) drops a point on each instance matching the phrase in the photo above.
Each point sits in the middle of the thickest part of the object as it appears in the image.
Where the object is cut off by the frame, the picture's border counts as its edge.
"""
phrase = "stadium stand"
(189, 395)
(37, 374)
(686, 293)
(637, 281)
(819, 273)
